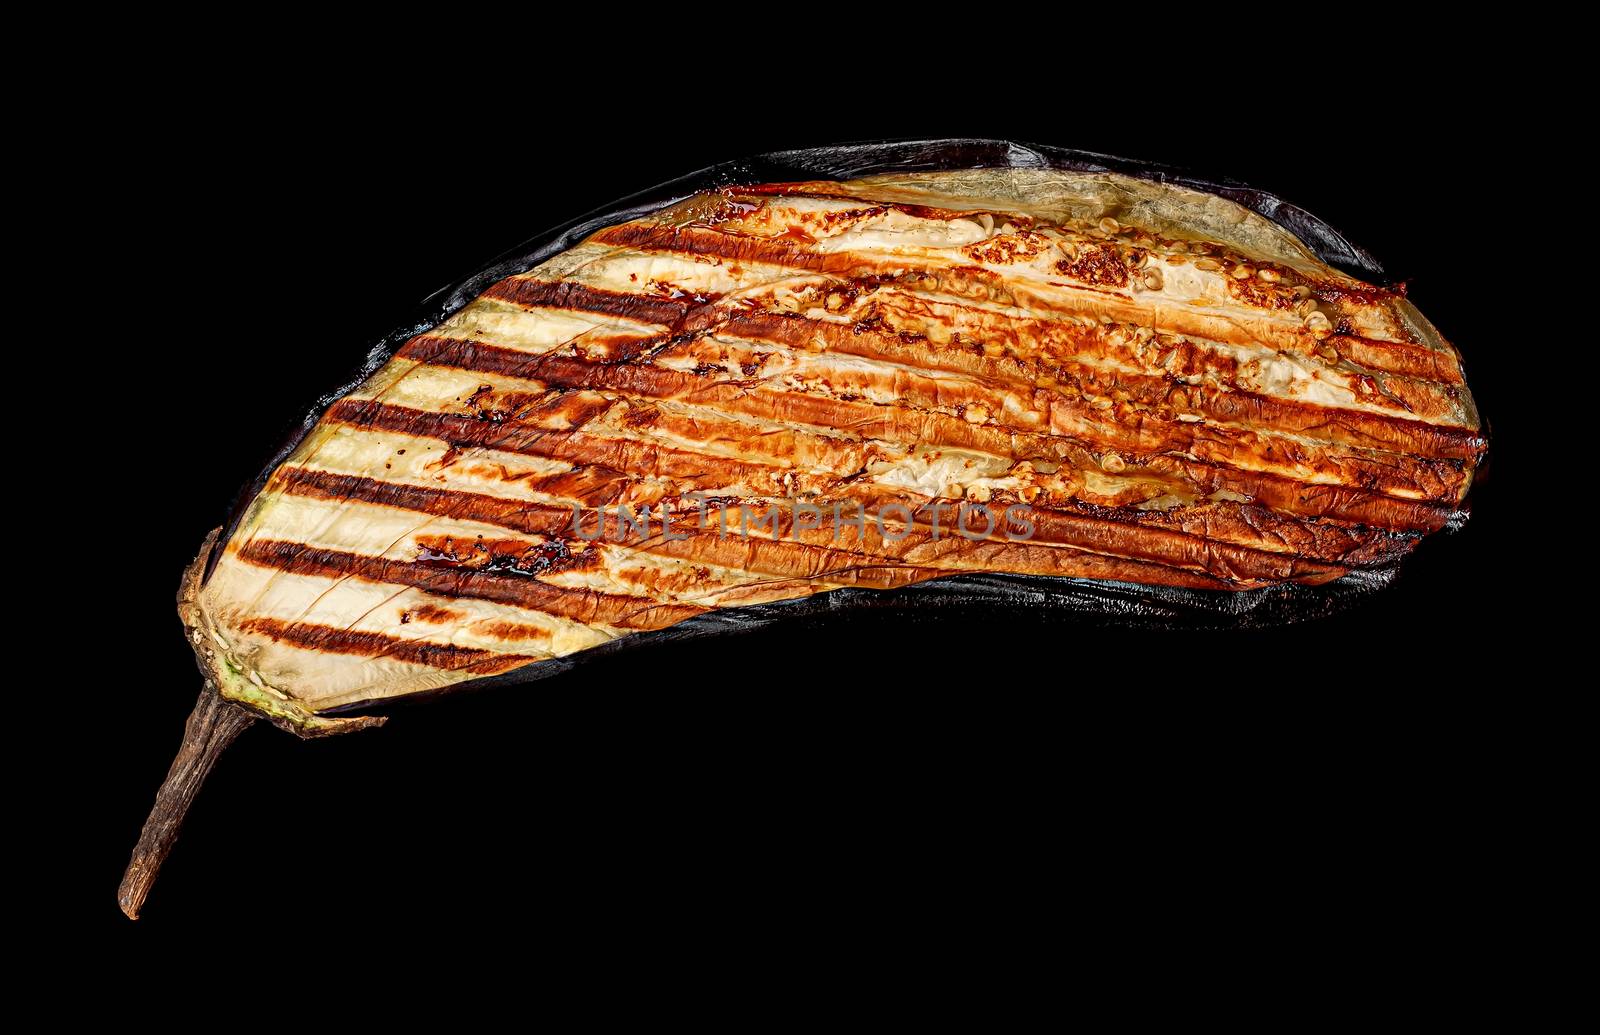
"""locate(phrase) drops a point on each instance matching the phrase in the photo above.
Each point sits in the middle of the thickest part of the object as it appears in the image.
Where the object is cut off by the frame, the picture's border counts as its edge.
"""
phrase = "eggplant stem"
(212, 726)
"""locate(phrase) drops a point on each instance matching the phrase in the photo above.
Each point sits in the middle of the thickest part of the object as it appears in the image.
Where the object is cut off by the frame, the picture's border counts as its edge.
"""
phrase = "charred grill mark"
(545, 556)
(1402, 358)
(512, 632)
(595, 486)
(333, 640)
(431, 614)
(467, 354)
(1288, 496)
(521, 515)
(567, 294)
(1317, 539)
(588, 606)
(692, 470)
(691, 240)
(666, 289)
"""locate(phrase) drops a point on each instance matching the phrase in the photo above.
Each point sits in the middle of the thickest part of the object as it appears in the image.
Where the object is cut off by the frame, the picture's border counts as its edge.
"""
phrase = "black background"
(904, 774)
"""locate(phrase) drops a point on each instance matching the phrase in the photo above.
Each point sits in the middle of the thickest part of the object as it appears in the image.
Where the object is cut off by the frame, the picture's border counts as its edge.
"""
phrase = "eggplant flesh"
(1034, 384)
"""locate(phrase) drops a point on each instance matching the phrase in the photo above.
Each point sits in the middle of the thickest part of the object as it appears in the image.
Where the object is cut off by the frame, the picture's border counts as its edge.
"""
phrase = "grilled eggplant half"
(762, 393)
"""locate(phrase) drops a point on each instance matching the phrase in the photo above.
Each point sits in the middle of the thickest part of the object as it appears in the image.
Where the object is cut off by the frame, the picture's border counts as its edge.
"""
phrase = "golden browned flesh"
(1126, 381)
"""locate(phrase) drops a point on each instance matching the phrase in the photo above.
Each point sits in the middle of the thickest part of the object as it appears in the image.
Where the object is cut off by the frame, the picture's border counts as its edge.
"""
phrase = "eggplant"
(961, 374)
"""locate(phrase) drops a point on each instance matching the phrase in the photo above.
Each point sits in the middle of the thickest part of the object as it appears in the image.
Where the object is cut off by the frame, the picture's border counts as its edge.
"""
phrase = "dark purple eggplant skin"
(1085, 602)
